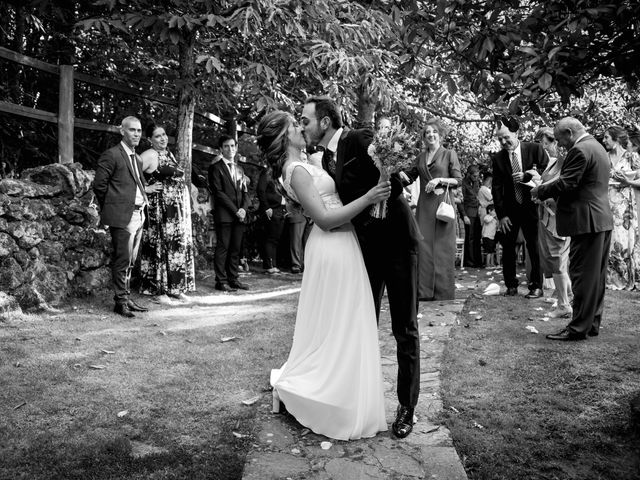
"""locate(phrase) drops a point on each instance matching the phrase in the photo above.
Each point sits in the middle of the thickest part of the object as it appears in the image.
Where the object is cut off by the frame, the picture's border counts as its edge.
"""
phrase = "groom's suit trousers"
(392, 263)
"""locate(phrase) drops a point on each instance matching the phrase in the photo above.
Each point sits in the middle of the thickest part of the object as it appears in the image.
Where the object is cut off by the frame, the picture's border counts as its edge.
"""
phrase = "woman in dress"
(332, 379)
(166, 252)
(554, 249)
(624, 256)
(439, 171)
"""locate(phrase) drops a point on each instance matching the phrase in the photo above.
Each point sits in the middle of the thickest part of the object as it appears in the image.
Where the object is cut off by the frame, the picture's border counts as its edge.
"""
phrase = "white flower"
(371, 150)
(397, 147)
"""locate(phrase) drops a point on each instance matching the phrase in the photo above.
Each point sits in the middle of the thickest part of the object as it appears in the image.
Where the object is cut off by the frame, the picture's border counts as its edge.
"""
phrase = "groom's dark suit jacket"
(389, 248)
(356, 174)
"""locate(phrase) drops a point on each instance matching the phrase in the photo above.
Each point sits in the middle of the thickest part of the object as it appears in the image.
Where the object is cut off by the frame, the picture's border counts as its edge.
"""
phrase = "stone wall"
(50, 243)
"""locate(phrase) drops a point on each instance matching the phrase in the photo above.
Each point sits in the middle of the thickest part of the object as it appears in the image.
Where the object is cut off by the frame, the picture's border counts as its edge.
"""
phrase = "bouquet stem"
(379, 210)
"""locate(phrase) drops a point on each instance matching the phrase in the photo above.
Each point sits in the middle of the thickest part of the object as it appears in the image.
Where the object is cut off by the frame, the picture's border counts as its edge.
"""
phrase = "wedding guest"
(121, 192)
(624, 258)
(554, 248)
(584, 214)
(438, 169)
(513, 203)
(228, 184)
(272, 212)
(166, 253)
(484, 195)
(489, 229)
(634, 148)
(472, 219)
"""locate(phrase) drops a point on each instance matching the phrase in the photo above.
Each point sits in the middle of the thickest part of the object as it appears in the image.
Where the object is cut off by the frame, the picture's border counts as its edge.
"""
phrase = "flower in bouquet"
(393, 149)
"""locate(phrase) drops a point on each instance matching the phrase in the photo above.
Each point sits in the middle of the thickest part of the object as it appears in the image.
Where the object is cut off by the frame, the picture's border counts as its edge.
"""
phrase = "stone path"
(286, 450)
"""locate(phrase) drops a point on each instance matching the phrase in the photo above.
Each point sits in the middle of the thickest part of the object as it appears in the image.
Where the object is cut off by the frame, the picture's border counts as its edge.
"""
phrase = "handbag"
(445, 211)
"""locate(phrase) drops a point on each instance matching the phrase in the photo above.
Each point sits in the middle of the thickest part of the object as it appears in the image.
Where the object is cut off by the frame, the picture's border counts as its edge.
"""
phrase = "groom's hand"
(396, 185)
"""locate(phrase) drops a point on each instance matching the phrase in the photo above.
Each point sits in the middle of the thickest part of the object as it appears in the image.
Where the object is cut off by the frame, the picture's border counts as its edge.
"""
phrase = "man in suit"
(231, 200)
(514, 207)
(584, 214)
(121, 192)
(389, 245)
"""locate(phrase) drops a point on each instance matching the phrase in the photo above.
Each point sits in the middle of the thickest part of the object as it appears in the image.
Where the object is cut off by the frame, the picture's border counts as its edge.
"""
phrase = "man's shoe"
(403, 425)
(534, 293)
(565, 336)
(296, 270)
(134, 307)
(224, 288)
(239, 285)
(123, 309)
(511, 292)
(593, 333)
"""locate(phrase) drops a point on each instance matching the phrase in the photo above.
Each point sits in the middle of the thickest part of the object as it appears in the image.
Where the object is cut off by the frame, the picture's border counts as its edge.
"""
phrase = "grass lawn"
(523, 407)
(65, 380)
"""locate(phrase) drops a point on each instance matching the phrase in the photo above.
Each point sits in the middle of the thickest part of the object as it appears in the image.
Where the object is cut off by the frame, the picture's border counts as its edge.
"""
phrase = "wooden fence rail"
(65, 118)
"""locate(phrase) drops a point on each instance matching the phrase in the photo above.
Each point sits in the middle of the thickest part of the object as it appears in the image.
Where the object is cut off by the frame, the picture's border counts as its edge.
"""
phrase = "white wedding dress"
(332, 380)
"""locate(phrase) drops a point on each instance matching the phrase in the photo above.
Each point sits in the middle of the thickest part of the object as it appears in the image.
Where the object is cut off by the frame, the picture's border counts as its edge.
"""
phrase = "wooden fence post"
(65, 115)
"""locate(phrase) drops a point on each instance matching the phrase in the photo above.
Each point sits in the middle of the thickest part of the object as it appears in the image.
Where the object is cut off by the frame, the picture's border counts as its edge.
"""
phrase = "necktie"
(515, 167)
(329, 161)
(136, 176)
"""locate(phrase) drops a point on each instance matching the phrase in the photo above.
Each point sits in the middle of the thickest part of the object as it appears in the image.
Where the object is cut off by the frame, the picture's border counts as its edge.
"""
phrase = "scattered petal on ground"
(326, 445)
(532, 329)
(97, 367)
(251, 401)
(228, 339)
(477, 425)
(108, 352)
(239, 435)
(122, 413)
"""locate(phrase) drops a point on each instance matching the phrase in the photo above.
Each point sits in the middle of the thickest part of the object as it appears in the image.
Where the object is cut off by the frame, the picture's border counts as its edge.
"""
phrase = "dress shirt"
(139, 196)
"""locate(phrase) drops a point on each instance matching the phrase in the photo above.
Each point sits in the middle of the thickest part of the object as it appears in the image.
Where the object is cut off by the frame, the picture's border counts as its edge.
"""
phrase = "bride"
(332, 380)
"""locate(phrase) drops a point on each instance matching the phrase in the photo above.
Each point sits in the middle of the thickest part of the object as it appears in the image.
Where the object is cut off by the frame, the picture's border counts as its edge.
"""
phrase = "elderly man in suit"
(389, 245)
(231, 201)
(514, 207)
(121, 192)
(584, 214)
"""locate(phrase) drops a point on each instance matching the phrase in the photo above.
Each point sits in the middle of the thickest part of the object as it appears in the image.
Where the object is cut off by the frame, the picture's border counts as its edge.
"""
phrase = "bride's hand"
(380, 192)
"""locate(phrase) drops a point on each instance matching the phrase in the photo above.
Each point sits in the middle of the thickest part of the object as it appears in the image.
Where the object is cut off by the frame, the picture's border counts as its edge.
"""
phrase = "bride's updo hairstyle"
(273, 140)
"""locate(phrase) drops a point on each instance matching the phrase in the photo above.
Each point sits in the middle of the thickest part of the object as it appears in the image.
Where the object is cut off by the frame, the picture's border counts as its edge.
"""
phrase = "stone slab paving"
(285, 450)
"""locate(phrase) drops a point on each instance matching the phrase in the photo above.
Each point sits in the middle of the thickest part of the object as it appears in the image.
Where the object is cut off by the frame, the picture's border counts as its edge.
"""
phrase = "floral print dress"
(623, 271)
(166, 252)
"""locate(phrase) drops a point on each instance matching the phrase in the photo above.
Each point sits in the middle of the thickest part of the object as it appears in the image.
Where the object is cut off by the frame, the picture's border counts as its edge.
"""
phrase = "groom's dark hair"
(326, 107)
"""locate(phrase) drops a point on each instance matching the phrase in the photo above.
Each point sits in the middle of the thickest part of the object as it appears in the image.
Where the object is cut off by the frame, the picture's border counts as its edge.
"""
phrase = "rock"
(83, 179)
(11, 274)
(30, 299)
(7, 244)
(55, 175)
(8, 305)
(52, 251)
(87, 282)
(21, 188)
(27, 234)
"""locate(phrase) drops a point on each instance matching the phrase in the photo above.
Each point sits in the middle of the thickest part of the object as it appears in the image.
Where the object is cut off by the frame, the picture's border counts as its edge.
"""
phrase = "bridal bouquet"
(392, 150)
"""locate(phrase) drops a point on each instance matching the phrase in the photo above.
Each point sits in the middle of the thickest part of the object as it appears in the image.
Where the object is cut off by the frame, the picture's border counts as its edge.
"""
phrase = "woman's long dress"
(623, 271)
(166, 250)
(332, 379)
(437, 252)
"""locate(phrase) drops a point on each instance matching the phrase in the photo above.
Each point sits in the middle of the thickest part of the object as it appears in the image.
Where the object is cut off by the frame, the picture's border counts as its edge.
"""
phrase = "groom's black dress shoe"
(134, 307)
(239, 285)
(511, 292)
(123, 309)
(565, 336)
(404, 422)
(534, 293)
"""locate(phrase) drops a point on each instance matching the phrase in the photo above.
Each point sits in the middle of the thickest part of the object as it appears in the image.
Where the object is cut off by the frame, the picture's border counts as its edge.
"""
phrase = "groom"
(389, 245)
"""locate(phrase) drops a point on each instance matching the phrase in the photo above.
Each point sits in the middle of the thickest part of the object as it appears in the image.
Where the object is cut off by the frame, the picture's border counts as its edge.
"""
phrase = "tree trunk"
(16, 71)
(186, 104)
(366, 108)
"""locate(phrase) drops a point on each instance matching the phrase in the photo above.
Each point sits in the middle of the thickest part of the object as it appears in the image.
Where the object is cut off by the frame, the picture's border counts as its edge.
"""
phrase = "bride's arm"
(328, 219)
